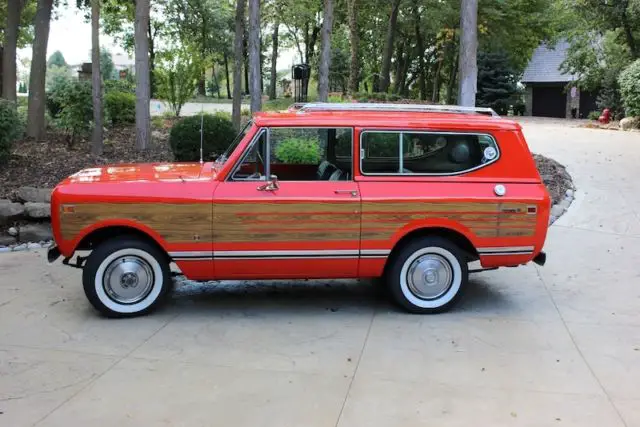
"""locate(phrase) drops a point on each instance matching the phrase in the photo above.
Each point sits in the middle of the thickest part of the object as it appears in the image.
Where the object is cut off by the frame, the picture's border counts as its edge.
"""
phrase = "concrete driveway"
(551, 346)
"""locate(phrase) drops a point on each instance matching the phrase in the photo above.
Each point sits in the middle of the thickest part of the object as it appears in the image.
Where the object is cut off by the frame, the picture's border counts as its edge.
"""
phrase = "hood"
(144, 172)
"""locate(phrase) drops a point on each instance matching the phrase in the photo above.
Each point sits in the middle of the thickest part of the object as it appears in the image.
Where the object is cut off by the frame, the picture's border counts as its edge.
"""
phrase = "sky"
(71, 35)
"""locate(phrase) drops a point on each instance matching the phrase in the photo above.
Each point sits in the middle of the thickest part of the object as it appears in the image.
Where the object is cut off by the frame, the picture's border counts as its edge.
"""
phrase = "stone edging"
(560, 208)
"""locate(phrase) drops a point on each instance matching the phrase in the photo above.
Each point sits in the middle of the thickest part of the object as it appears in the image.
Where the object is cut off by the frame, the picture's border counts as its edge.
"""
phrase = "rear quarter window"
(425, 153)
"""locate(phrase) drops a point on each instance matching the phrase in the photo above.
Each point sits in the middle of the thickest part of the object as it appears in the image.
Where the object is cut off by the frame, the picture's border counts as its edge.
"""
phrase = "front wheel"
(126, 277)
(428, 275)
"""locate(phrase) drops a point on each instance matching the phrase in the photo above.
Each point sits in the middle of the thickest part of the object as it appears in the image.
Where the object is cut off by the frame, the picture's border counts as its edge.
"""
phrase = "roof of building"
(544, 66)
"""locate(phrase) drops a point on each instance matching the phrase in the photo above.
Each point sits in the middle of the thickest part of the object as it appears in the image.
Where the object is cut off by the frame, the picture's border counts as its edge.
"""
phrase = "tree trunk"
(226, 73)
(143, 119)
(274, 59)
(96, 77)
(152, 61)
(422, 84)
(254, 56)
(246, 62)
(37, 96)
(214, 77)
(14, 8)
(398, 65)
(468, 53)
(202, 83)
(435, 97)
(238, 48)
(325, 52)
(354, 39)
(388, 48)
(454, 72)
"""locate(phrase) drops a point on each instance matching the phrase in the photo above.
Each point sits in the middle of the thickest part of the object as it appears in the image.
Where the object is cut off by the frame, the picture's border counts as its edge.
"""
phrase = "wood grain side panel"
(174, 222)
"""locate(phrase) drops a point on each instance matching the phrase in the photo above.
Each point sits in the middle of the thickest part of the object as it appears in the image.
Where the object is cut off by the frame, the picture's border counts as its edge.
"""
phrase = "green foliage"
(119, 86)
(56, 74)
(10, 128)
(630, 89)
(120, 107)
(218, 133)
(75, 108)
(56, 60)
(496, 81)
(303, 151)
(594, 115)
(22, 87)
(177, 77)
(107, 68)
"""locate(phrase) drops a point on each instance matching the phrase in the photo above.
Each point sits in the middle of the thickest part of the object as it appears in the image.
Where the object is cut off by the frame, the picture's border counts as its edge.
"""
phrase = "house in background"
(549, 91)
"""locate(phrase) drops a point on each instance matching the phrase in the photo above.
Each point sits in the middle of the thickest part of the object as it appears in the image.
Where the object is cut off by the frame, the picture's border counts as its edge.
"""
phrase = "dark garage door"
(549, 101)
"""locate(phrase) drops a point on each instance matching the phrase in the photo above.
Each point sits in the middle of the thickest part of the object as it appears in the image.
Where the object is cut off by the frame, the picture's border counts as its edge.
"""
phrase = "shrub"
(298, 151)
(10, 128)
(177, 78)
(75, 114)
(593, 115)
(120, 107)
(519, 108)
(120, 85)
(630, 89)
(185, 137)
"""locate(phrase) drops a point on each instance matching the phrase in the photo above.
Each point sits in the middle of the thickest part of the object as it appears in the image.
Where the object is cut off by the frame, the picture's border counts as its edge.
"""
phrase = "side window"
(311, 154)
(410, 153)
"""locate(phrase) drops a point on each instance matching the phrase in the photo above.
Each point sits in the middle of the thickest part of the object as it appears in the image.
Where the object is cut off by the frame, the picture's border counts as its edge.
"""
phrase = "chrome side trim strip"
(505, 249)
(299, 254)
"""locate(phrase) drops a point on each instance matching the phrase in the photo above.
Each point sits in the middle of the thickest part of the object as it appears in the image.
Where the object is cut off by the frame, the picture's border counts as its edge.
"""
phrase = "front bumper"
(53, 254)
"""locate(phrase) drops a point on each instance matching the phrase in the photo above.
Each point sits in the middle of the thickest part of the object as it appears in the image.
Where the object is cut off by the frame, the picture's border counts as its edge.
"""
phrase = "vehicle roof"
(386, 119)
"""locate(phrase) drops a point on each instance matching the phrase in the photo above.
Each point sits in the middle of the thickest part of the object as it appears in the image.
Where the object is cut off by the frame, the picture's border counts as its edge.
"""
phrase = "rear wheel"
(427, 275)
(126, 277)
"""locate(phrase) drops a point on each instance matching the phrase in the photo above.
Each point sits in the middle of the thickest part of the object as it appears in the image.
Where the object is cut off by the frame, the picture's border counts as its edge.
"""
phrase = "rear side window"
(425, 153)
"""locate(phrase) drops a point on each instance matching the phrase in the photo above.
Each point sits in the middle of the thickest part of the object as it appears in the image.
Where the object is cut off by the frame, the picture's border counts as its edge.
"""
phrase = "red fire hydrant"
(605, 117)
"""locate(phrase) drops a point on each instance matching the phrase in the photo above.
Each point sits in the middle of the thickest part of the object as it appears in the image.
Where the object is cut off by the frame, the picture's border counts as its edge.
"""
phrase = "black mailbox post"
(300, 75)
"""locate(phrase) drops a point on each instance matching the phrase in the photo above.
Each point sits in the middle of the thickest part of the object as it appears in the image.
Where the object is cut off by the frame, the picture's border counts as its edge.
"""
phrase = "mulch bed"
(44, 164)
(555, 177)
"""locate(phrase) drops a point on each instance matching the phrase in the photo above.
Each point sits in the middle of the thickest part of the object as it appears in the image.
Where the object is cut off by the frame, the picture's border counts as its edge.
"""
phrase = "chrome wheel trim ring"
(128, 279)
(429, 276)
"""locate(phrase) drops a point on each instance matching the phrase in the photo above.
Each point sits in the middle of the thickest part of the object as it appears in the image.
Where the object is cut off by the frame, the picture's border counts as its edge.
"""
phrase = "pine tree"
(496, 81)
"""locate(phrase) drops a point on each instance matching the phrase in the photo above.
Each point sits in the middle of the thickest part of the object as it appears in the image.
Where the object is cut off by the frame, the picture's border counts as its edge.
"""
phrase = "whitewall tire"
(126, 277)
(427, 275)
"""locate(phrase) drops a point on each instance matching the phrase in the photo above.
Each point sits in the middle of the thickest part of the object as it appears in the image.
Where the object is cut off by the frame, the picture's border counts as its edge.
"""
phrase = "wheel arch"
(93, 237)
(455, 236)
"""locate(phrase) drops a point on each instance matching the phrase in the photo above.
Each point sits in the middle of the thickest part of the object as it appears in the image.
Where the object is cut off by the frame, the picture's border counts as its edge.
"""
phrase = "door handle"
(353, 193)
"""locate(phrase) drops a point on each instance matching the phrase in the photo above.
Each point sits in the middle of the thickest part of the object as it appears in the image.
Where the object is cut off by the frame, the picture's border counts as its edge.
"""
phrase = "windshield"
(223, 158)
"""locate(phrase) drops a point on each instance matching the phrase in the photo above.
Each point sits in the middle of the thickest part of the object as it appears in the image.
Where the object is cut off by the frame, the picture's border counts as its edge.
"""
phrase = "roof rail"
(420, 108)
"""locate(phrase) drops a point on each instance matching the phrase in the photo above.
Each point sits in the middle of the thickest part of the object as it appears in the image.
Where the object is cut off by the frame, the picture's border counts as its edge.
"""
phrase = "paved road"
(551, 346)
(192, 108)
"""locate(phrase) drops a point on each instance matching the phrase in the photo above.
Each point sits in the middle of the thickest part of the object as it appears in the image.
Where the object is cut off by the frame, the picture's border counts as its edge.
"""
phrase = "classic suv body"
(214, 225)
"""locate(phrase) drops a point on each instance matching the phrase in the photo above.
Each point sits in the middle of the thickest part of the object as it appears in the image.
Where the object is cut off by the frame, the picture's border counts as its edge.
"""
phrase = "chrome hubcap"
(429, 276)
(128, 279)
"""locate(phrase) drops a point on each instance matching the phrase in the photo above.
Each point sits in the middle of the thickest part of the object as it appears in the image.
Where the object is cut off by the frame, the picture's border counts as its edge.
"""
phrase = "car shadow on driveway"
(297, 296)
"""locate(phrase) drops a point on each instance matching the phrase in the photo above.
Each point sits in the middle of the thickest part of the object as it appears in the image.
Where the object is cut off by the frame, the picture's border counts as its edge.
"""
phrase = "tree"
(107, 67)
(385, 79)
(255, 76)
(14, 8)
(96, 79)
(56, 60)
(325, 52)
(37, 96)
(143, 118)
(468, 53)
(178, 75)
(274, 59)
(238, 55)
(496, 81)
(354, 39)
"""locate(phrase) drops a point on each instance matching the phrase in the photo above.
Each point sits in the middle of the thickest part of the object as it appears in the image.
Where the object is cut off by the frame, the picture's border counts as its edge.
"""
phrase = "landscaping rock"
(33, 246)
(35, 195)
(557, 210)
(9, 210)
(22, 247)
(37, 210)
(12, 231)
(629, 123)
(569, 193)
(35, 232)
(7, 240)
(4, 249)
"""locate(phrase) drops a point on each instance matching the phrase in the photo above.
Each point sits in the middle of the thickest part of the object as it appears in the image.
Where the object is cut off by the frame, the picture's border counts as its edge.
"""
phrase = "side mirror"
(270, 185)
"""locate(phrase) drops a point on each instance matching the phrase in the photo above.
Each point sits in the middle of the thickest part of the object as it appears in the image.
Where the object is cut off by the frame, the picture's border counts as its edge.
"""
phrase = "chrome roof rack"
(364, 106)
